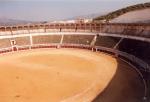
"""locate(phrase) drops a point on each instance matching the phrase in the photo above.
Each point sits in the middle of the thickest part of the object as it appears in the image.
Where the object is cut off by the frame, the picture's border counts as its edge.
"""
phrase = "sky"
(49, 10)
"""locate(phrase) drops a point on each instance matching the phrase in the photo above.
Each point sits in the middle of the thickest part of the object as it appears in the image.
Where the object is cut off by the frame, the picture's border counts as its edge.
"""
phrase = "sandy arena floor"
(57, 75)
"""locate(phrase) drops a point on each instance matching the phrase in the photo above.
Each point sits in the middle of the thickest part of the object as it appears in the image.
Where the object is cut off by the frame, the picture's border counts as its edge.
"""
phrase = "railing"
(141, 64)
(141, 30)
(5, 50)
(134, 59)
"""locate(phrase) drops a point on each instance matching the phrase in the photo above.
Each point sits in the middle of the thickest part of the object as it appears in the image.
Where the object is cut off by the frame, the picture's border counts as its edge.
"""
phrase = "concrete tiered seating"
(21, 41)
(46, 39)
(146, 32)
(5, 43)
(136, 48)
(109, 42)
(78, 39)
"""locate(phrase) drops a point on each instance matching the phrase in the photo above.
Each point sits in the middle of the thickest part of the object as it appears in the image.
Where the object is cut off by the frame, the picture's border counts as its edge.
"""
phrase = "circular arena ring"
(62, 65)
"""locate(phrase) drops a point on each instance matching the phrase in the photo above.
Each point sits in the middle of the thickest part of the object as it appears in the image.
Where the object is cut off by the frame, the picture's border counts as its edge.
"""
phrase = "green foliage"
(122, 11)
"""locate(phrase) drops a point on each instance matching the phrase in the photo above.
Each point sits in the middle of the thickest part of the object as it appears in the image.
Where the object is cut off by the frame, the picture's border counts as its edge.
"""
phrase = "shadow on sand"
(125, 86)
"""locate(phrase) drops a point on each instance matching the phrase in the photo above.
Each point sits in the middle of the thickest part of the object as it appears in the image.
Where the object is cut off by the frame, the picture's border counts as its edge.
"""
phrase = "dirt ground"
(64, 75)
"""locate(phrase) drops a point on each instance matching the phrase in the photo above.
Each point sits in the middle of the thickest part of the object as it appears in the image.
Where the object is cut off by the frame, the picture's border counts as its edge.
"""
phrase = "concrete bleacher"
(104, 41)
(21, 41)
(46, 39)
(136, 48)
(5, 43)
(78, 39)
(146, 32)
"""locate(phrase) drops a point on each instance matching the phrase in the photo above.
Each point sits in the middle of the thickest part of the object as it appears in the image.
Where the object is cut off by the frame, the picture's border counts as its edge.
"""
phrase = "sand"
(55, 75)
